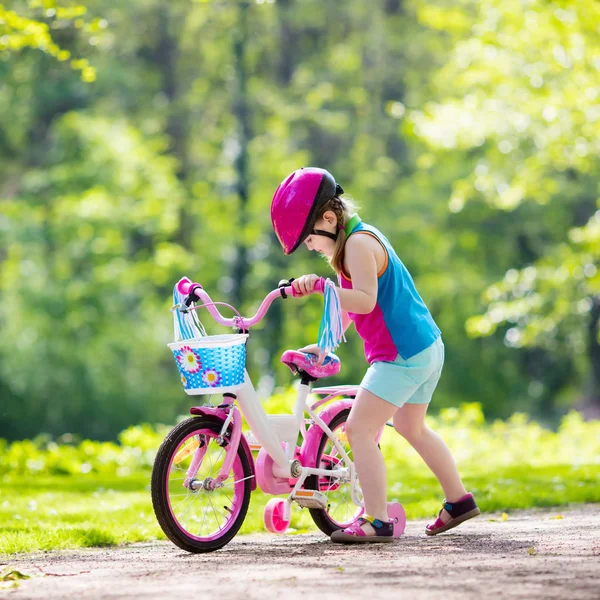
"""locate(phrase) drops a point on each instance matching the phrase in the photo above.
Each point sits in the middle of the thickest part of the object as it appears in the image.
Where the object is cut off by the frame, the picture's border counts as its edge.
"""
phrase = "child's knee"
(351, 430)
(356, 431)
(410, 431)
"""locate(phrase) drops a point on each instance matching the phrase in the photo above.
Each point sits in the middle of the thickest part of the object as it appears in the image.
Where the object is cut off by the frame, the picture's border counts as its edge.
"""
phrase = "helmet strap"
(328, 234)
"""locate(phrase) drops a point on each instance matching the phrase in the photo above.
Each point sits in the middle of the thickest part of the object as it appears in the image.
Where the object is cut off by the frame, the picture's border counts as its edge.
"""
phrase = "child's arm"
(346, 320)
(361, 262)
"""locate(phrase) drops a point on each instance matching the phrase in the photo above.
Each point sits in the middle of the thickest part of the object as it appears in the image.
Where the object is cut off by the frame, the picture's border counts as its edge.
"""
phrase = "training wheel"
(398, 516)
(274, 516)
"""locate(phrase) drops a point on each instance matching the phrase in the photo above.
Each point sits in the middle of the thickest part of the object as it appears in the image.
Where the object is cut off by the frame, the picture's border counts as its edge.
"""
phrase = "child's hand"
(314, 349)
(306, 284)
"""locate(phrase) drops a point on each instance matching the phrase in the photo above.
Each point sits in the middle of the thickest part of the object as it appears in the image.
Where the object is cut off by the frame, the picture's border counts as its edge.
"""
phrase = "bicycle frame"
(273, 431)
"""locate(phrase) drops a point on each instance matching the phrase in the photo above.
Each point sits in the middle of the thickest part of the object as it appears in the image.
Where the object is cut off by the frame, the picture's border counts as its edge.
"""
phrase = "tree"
(524, 79)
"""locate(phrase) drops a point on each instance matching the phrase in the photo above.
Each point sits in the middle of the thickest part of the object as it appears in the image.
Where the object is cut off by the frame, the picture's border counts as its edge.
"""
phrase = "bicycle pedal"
(310, 499)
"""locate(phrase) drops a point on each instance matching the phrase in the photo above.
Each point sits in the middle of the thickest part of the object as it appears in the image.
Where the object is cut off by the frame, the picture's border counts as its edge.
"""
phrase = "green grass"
(46, 513)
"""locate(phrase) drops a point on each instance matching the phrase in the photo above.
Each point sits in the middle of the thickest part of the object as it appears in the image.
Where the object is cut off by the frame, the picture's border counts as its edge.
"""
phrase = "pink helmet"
(296, 203)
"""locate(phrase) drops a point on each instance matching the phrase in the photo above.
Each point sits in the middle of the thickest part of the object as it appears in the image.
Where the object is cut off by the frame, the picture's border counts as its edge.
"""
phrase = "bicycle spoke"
(190, 506)
(340, 506)
(346, 502)
(214, 512)
(331, 510)
(215, 509)
(239, 480)
(187, 496)
(204, 512)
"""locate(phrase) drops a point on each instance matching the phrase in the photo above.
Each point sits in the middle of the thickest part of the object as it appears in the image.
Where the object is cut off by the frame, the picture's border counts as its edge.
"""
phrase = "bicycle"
(204, 471)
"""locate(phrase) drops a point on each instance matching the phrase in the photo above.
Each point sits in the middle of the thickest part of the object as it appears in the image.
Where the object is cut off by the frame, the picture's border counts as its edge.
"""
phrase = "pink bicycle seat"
(307, 363)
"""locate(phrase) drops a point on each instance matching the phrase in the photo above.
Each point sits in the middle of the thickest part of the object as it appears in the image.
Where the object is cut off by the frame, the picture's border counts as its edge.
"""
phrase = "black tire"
(321, 517)
(159, 487)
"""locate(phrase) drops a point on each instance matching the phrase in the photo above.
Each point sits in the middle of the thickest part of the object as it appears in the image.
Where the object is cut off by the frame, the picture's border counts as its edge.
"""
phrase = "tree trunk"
(242, 114)
(288, 37)
(287, 43)
(590, 406)
(165, 56)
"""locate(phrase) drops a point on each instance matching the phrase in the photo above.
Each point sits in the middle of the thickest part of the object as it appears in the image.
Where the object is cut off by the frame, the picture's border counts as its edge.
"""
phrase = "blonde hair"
(343, 208)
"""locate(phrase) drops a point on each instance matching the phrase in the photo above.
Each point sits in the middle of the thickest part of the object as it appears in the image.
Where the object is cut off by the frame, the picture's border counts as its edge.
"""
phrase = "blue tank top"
(400, 323)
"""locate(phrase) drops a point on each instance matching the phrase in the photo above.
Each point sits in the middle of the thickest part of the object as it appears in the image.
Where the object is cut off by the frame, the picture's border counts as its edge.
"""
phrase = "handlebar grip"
(318, 289)
(184, 285)
(320, 285)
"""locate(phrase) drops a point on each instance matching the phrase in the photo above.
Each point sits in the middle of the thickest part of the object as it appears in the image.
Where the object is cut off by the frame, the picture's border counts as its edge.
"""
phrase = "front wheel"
(341, 511)
(195, 514)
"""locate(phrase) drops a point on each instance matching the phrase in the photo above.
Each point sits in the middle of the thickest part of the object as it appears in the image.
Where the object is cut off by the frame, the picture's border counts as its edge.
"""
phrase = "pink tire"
(274, 516)
(398, 516)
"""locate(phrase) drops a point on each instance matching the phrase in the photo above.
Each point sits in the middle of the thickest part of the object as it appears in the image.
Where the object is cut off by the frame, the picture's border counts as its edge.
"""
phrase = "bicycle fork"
(230, 437)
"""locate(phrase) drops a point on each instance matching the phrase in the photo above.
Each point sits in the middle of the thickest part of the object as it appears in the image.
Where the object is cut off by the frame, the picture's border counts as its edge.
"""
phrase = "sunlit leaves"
(543, 302)
(91, 241)
(526, 85)
(110, 192)
(514, 441)
(520, 90)
(33, 24)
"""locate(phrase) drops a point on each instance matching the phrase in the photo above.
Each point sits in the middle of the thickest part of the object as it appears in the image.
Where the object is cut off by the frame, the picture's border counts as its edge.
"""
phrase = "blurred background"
(141, 141)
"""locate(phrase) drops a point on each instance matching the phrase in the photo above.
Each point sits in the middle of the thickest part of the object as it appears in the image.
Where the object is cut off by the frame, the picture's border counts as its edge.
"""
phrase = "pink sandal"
(463, 509)
(355, 534)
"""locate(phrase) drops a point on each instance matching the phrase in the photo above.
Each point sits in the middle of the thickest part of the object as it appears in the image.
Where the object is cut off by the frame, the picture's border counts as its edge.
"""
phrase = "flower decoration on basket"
(211, 377)
(189, 359)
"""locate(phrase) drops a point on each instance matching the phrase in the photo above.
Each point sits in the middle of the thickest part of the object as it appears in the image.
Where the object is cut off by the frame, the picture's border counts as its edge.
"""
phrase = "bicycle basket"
(211, 364)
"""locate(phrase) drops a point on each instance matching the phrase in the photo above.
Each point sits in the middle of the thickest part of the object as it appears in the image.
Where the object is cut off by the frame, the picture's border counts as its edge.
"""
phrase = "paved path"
(531, 555)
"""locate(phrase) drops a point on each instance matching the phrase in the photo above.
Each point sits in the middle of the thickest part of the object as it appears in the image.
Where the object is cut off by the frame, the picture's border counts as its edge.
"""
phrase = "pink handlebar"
(184, 285)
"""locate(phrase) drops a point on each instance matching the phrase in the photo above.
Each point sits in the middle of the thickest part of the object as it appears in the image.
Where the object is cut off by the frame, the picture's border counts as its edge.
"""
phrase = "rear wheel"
(194, 513)
(341, 510)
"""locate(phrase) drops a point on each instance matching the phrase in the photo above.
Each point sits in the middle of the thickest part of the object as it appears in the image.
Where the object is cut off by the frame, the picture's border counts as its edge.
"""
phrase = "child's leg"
(368, 414)
(409, 422)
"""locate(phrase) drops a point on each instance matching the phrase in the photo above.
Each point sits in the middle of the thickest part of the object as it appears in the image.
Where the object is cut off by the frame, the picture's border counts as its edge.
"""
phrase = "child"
(402, 343)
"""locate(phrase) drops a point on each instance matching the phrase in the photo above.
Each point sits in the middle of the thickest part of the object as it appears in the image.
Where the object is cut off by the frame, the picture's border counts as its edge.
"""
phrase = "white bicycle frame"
(272, 430)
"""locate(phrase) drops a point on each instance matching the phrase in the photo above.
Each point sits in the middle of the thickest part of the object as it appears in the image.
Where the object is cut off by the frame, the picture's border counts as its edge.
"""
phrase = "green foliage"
(524, 105)
(102, 234)
(41, 456)
(32, 23)
(66, 495)
(466, 131)
(478, 446)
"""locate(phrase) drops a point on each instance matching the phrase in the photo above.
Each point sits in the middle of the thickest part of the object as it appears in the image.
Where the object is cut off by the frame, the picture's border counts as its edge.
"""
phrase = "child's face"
(320, 243)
